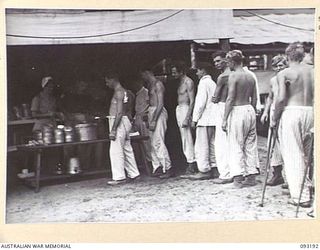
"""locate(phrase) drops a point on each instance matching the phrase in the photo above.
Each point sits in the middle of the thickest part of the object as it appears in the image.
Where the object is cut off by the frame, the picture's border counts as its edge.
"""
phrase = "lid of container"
(85, 125)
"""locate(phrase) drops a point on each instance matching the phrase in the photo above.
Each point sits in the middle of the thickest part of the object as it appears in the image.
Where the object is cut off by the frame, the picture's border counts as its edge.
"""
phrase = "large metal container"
(86, 131)
(74, 165)
(58, 135)
(37, 135)
(68, 134)
(47, 135)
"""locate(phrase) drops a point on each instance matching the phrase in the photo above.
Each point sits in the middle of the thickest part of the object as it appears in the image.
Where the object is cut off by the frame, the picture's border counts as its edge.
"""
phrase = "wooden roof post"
(193, 55)
(224, 44)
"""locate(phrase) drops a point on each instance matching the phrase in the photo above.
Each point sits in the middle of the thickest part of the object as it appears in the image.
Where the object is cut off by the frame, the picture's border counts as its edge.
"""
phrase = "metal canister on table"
(86, 131)
(68, 134)
(47, 135)
(37, 136)
(59, 134)
(74, 165)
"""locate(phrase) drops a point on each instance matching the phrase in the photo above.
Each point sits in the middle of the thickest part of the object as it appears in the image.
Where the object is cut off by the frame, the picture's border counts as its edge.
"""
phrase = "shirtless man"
(294, 114)
(278, 63)
(239, 121)
(121, 153)
(184, 115)
(158, 117)
(220, 96)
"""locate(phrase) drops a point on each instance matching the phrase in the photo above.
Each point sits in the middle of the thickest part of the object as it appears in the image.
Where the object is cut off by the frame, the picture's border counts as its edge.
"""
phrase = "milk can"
(47, 135)
(74, 165)
(37, 136)
(86, 131)
(58, 135)
(68, 134)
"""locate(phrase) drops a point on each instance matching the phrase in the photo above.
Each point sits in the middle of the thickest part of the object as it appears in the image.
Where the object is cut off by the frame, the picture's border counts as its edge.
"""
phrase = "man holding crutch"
(294, 113)
(278, 63)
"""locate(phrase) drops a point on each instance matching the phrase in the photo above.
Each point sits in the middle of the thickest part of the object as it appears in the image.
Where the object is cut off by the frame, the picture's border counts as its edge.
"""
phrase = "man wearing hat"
(44, 108)
(44, 103)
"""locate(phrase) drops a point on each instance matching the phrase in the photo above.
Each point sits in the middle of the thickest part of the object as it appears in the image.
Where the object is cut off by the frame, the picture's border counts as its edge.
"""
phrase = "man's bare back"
(183, 95)
(298, 83)
(244, 87)
(221, 92)
(156, 92)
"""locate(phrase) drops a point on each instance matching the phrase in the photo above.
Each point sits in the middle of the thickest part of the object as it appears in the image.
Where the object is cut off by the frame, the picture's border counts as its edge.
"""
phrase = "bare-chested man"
(278, 63)
(294, 113)
(220, 96)
(239, 122)
(121, 153)
(184, 114)
(158, 117)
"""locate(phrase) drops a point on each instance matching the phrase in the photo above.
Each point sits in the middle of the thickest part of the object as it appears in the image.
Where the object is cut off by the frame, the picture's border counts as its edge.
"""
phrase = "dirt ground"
(150, 200)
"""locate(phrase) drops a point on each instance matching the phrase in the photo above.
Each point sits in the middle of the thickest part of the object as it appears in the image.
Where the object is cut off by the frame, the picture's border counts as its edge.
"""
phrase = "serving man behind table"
(278, 63)
(44, 103)
(239, 122)
(204, 119)
(184, 114)
(294, 113)
(121, 153)
(158, 117)
(220, 96)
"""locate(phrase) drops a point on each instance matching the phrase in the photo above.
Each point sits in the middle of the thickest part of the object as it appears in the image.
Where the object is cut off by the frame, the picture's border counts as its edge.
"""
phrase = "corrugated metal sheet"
(254, 30)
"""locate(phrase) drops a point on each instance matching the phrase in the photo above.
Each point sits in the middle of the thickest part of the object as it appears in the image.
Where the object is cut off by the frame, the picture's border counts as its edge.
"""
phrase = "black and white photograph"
(159, 115)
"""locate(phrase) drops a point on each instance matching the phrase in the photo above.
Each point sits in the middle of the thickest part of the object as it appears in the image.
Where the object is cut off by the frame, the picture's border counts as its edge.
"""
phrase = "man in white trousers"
(184, 114)
(239, 122)
(278, 63)
(204, 119)
(140, 120)
(158, 117)
(121, 153)
(294, 113)
(220, 96)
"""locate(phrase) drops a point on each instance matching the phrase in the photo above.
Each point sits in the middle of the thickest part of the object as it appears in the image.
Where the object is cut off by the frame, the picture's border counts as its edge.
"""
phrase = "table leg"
(144, 159)
(38, 167)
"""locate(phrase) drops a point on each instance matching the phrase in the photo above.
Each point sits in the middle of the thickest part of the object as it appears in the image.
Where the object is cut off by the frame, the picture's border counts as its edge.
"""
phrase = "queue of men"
(223, 115)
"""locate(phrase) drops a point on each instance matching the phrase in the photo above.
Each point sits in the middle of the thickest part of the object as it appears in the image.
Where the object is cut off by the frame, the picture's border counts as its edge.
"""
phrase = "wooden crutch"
(271, 144)
(306, 171)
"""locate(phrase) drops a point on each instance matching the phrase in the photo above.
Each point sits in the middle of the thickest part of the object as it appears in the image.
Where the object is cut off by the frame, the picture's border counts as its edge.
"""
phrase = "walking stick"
(271, 144)
(305, 175)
